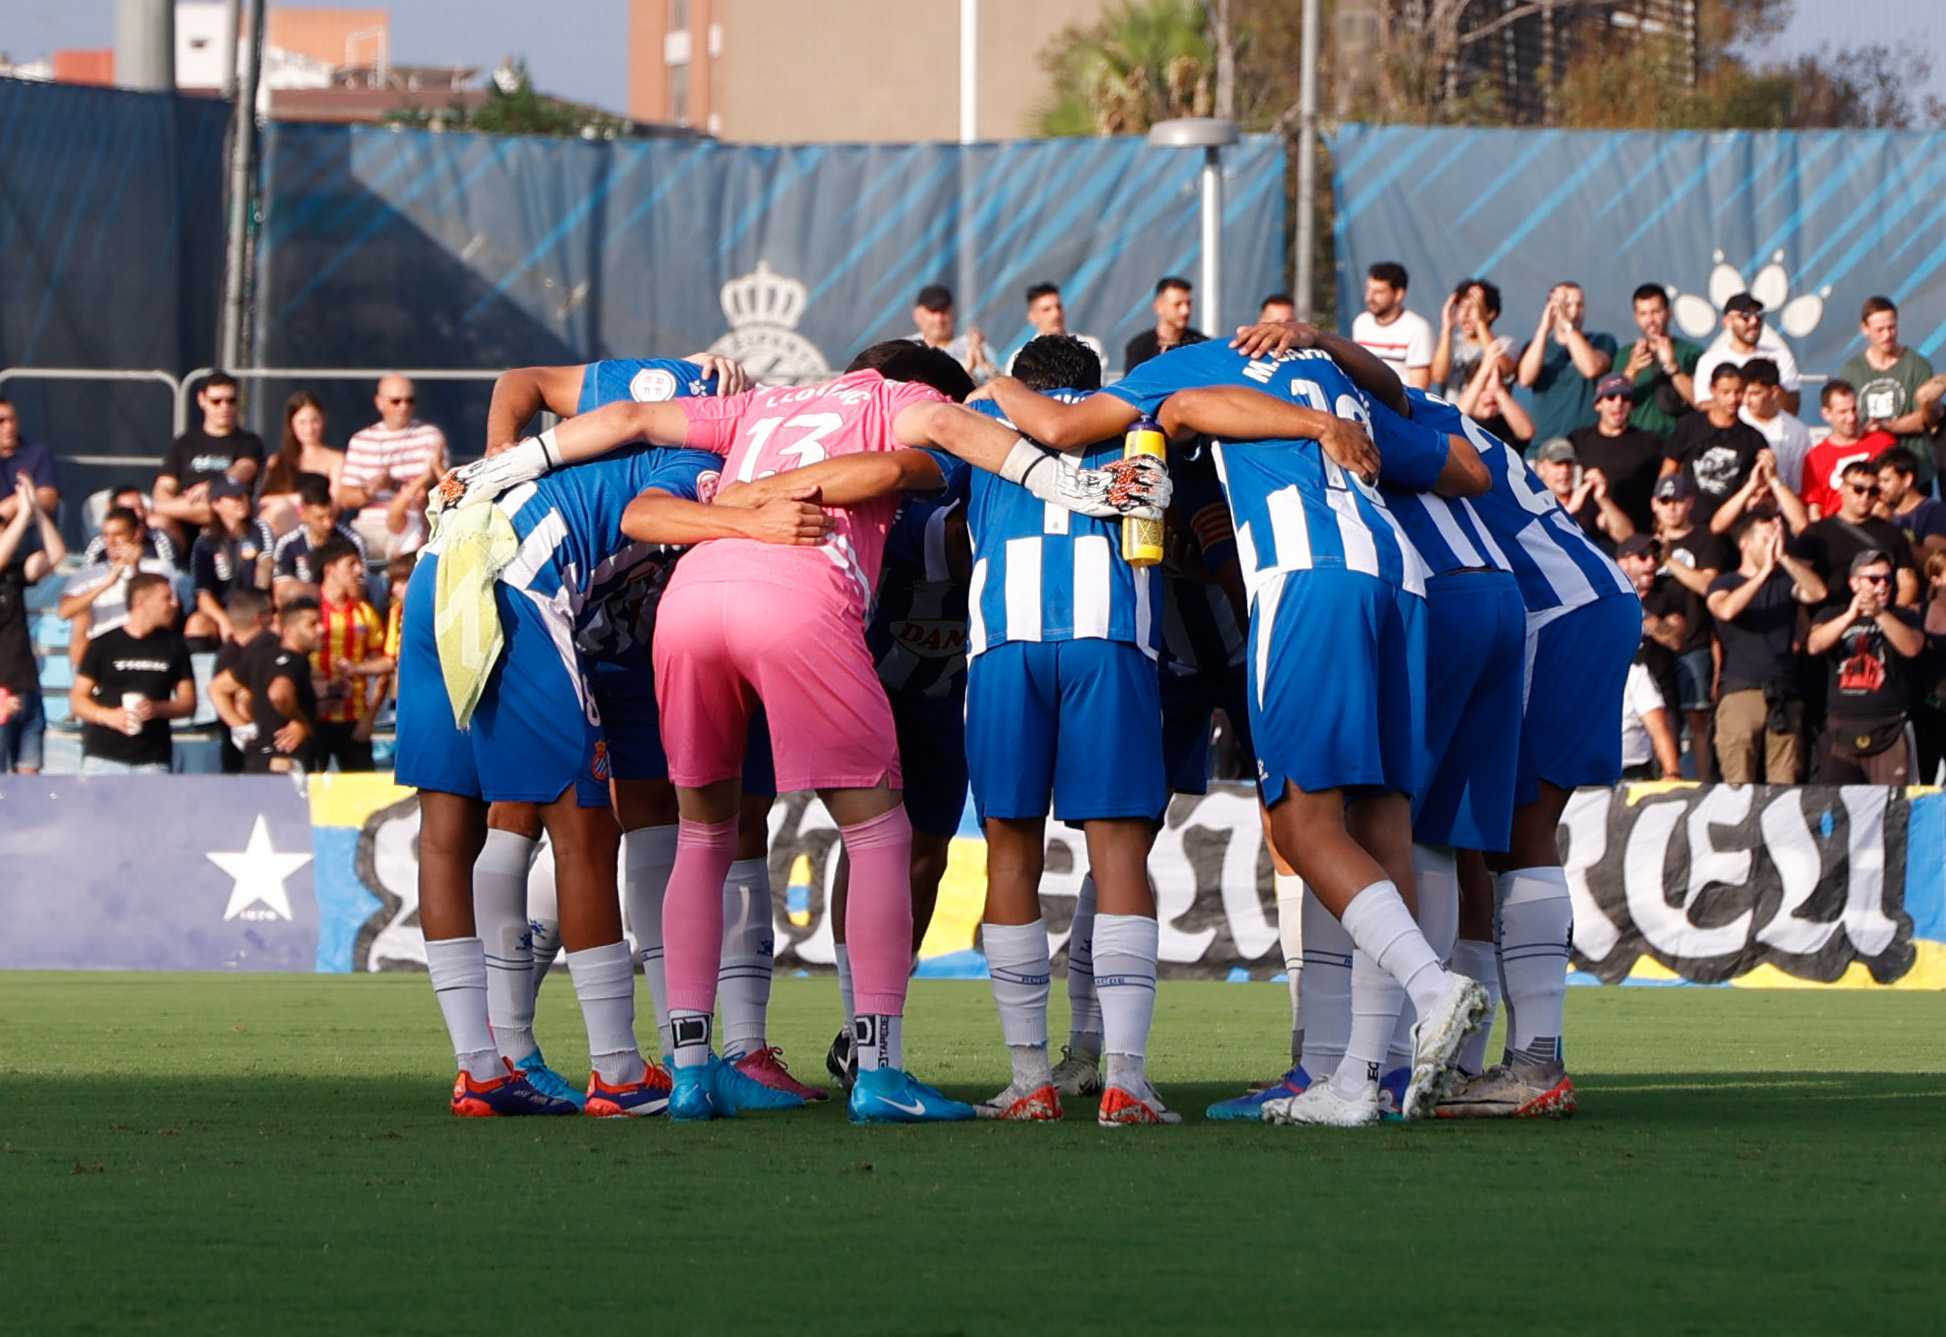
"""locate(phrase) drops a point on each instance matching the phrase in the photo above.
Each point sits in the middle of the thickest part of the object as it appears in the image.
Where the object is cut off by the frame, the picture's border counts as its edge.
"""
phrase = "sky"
(579, 51)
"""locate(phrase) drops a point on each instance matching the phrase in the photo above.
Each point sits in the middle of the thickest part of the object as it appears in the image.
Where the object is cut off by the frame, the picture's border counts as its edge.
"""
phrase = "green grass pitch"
(272, 1154)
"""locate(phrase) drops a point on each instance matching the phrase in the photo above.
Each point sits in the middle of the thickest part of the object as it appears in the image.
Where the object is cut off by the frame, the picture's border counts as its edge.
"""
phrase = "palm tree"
(1146, 61)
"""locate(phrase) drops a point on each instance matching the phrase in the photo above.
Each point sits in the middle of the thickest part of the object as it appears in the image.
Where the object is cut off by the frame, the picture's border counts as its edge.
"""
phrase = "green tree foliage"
(514, 107)
(1145, 61)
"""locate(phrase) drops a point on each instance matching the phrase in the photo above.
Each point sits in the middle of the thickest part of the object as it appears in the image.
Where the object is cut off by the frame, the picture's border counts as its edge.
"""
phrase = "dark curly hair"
(904, 360)
(1058, 362)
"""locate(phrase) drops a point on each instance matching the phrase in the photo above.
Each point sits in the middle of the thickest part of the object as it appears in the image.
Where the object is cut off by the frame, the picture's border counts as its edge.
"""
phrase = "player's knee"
(520, 819)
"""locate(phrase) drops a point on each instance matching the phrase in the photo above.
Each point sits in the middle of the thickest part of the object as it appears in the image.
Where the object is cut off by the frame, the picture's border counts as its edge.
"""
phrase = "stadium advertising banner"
(1755, 886)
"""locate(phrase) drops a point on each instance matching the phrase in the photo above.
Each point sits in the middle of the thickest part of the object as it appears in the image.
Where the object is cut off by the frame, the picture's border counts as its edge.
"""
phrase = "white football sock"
(743, 977)
(1290, 936)
(1125, 965)
(543, 922)
(1477, 961)
(1536, 922)
(689, 1032)
(458, 970)
(1436, 870)
(880, 1041)
(1324, 986)
(1376, 998)
(1382, 928)
(500, 912)
(648, 855)
(1084, 1007)
(1019, 969)
(604, 984)
(842, 959)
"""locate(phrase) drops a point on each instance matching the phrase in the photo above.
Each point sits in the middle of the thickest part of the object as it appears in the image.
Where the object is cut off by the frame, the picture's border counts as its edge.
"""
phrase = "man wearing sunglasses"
(215, 448)
(1871, 648)
(1830, 544)
(390, 467)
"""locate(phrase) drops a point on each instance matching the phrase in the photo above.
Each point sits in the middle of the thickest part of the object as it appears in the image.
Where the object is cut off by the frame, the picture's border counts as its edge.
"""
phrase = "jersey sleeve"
(713, 423)
(1145, 388)
(1643, 694)
(642, 380)
(957, 473)
(681, 473)
(1411, 454)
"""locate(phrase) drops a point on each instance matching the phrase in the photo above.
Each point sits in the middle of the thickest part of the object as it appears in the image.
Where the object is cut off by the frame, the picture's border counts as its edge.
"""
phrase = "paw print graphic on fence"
(1696, 315)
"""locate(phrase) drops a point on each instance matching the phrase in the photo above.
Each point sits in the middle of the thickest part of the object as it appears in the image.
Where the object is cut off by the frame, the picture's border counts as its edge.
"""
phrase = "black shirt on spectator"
(1630, 462)
(1924, 521)
(1699, 550)
(220, 565)
(19, 673)
(1870, 683)
(122, 665)
(1148, 344)
(1718, 459)
(265, 667)
(1757, 643)
(1666, 597)
(293, 553)
(1828, 545)
(197, 457)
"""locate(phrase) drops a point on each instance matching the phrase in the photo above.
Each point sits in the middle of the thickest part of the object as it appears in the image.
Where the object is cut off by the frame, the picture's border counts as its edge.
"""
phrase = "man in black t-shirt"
(1628, 457)
(295, 557)
(215, 449)
(132, 681)
(1758, 714)
(1830, 545)
(1871, 647)
(1716, 449)
(1692, 558)
(1666, 613)
(233, 553)
(1172, 327)
(283, 700)
(249, 613)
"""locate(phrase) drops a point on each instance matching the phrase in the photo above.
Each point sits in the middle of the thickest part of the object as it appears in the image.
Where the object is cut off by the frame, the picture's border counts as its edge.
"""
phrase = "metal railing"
(194, 378)
(89, 374)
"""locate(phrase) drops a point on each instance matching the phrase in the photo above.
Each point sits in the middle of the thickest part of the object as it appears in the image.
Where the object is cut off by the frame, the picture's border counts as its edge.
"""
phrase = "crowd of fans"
(1793, 579)
(285, 569)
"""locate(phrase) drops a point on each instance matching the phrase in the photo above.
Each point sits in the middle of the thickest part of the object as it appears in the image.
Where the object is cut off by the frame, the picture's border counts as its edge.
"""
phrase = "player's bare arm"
(1138, 486)
(657, 517)
(1366, 370)
(1056, 425)
(586, 437)
(847, 481)
(520, 393)
(1237, 414)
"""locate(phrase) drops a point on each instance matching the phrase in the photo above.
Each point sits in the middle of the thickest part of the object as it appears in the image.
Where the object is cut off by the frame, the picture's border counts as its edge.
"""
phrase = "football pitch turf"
(272, 1153)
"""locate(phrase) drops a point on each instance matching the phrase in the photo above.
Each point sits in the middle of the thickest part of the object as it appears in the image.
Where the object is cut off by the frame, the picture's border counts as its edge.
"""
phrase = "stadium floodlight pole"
(232, 31)
(243, 143)
(1307, 162)
(1211, 134)
(145, 45)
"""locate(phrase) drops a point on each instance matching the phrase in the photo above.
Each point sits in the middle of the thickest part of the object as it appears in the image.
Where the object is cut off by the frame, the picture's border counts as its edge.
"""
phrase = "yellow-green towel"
(475, 544)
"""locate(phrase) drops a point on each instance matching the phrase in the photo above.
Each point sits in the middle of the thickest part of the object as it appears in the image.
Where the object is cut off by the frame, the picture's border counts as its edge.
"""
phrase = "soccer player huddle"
(634, 630)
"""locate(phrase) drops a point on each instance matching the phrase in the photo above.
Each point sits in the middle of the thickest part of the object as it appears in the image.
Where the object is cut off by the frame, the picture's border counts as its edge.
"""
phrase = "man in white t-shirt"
(389, 468)
(1648, 743)
(1746, 336)
(1763, 408)
(1392, 334)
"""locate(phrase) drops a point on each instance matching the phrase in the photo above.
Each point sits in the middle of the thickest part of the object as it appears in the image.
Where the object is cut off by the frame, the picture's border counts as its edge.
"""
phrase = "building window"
(679, 94)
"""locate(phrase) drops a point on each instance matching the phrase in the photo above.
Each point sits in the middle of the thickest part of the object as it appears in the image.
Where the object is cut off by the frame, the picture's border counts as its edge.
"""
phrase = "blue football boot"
(547, 1081)
(892, 1095)
(716, 1090)
(1250, 1105)
(500, 1096)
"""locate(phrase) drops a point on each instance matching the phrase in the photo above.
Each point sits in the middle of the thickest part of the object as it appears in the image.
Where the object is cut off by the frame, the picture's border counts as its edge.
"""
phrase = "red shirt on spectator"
(1827, 461)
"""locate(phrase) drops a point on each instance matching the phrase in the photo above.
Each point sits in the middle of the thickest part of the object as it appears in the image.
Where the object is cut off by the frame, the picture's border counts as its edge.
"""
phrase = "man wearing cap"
(936, 320)
(1628, 457)
(1871, 648)
(232, 553)
(1832, 543)
(1744, 337)
(1583, 494)
(1667, 610)
(1759, 712)
(1763, 409)
(1692, 558)
(1649, 749)
(1562, 365)
(1714, 448)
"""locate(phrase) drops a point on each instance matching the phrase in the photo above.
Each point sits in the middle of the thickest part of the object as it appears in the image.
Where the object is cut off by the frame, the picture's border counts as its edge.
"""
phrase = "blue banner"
(1812, 222)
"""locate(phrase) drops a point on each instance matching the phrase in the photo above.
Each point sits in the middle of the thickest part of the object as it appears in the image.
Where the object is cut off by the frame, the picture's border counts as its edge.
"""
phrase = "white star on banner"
(259, 872)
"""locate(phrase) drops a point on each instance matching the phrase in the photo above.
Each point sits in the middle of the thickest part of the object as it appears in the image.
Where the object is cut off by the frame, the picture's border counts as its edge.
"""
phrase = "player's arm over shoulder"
(521, 392)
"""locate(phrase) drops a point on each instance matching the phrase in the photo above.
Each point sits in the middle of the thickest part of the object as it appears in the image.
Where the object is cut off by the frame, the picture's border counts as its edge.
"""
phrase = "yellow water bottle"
(1142, 539)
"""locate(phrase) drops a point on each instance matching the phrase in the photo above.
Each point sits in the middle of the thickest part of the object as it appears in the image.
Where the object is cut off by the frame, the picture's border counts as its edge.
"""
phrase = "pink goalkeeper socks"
(692, 913)
(878, 915)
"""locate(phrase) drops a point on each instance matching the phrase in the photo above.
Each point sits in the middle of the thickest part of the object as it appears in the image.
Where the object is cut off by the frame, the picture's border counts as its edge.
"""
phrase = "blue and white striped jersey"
(1517, 525)
(1295, 510)
(1043, 573)
(1449, 535)
(644, 380)
(918, 631)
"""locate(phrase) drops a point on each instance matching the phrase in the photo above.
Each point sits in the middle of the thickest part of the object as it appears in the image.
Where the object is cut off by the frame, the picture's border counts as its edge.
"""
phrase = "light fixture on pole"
(1211, 134)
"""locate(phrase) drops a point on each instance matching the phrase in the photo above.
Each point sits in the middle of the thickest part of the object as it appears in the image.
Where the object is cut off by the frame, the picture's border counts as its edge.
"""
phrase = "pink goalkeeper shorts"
(722, 646)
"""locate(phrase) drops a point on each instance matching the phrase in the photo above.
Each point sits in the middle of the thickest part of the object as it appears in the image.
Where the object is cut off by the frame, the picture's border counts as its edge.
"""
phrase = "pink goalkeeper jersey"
(770, 431)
